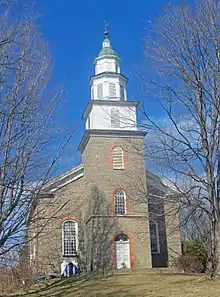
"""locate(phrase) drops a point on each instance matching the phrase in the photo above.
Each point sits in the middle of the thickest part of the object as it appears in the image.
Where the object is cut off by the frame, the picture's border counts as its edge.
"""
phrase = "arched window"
(69, 238)
(115, 119)
(154, 237)
(118, 157)
(120, 202)
(121, 237)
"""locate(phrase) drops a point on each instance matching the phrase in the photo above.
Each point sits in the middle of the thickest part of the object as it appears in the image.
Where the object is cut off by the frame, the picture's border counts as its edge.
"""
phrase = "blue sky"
(74, 31)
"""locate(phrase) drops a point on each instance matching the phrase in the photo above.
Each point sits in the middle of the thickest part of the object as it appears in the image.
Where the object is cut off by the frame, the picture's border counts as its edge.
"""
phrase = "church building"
(108, 212)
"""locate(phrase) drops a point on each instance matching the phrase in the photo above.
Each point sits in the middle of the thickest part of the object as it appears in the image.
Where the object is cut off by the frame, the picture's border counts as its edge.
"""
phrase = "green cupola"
(106, 48)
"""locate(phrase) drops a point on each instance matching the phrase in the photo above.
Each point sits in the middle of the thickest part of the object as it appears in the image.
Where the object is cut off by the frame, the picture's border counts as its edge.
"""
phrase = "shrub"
(189, 264)
(194, 257)
(196, 248)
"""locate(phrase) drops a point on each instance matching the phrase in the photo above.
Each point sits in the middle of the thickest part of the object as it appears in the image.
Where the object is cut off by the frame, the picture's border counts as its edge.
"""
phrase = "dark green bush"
(197, 249)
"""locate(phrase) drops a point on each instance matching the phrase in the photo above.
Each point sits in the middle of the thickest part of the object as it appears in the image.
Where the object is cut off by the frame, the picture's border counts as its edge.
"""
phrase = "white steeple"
(108, 108)
(107, 60)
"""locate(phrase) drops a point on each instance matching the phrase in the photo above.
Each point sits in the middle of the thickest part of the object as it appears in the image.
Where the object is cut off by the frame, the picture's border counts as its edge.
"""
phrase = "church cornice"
(153, 182)
(109, 74)
(109, 133)
(64, 179)
(141, 217)
(106, 103)
(113, 57)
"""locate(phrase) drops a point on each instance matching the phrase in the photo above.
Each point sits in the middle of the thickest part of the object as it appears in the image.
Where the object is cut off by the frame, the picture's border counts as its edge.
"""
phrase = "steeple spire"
(106, 46)
(108, 108)
(106, 29)
(106, 43)
(107, 59)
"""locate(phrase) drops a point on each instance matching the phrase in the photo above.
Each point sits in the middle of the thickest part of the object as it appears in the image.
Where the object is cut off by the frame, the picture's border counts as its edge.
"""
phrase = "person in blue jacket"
(72, 269)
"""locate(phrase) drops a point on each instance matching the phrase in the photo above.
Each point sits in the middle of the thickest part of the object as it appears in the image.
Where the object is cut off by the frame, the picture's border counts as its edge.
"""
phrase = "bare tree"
(28, 145)
(183, 49)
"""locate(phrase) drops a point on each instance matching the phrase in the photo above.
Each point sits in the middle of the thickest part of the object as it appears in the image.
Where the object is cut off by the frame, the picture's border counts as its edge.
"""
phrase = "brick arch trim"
(110, 155)
(131, 246)
(69, 219)
(112, 201)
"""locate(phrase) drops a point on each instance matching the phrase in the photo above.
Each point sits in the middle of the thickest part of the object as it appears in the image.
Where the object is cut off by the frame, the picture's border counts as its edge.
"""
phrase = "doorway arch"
(122, 251)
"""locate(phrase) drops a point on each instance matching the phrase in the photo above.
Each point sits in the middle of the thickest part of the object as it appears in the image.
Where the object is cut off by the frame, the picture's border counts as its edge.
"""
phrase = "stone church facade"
(108, 211)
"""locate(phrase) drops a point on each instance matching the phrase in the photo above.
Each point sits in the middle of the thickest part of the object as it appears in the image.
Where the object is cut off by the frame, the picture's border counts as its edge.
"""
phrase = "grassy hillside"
(141, 284)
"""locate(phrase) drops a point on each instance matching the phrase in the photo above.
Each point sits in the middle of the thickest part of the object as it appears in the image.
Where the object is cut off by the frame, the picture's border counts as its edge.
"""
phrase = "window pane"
(153, 229)
(121, 237)
(154, 245)
(119, 202)
(154, 237)
(69, 238)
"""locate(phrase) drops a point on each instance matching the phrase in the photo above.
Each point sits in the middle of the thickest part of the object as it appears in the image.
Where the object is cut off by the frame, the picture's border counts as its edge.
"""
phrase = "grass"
(141, 284)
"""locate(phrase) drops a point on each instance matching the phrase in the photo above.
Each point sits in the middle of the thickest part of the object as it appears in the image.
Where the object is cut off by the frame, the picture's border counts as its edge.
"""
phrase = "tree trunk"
(216, 250)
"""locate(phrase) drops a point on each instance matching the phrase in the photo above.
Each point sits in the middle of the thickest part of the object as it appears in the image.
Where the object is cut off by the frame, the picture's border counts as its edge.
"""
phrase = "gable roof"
(64, 179)
(153, 181)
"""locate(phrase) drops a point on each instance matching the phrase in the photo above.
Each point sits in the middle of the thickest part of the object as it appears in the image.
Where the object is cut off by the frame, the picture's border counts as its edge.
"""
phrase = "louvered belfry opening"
(118, 158)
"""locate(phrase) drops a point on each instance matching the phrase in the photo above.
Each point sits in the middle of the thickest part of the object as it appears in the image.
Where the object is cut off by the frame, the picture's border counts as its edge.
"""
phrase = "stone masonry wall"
(68, 203)
(99, 172)
(90, 201)
(172, 230)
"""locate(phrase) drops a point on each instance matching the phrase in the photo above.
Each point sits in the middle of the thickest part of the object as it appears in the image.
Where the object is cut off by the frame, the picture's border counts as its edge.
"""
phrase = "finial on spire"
(106, 29)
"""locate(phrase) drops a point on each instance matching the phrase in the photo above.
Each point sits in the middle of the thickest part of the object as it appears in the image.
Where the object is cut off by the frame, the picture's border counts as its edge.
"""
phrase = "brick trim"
(112, 202)
(132, 255)
(69, 219)
(110, 156)
(131, 248)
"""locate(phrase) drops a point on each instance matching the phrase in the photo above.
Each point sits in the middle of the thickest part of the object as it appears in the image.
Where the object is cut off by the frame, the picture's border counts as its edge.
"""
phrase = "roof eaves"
(64, 178)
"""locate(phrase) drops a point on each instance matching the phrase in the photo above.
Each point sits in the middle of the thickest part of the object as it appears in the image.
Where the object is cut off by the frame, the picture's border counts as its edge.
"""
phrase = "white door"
(122, 254)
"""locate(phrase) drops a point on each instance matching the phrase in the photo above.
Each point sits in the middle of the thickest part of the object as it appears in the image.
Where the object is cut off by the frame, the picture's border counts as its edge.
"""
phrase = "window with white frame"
(154, 237)
(69, 238)
(118, 157)
(115, 119)
(99, 91)
(120, 202)
(112, 90)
